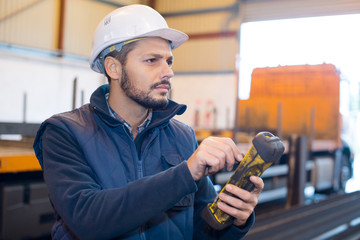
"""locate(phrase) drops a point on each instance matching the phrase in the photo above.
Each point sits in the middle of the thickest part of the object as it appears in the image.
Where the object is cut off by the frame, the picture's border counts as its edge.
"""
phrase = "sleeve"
(206, 194)
(91, 212)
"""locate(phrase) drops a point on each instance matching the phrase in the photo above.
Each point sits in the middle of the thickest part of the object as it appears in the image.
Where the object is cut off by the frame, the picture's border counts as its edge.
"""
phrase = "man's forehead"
(154, 46)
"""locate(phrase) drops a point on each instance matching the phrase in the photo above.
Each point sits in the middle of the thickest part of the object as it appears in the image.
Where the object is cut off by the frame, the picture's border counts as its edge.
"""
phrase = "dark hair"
(122, 55)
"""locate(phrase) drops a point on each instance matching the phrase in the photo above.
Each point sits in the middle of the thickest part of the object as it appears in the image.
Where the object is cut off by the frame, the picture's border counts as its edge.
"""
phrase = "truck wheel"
(345, 172)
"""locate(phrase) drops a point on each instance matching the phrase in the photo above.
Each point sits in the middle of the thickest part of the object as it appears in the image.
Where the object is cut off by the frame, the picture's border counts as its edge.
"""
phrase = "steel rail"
(307, 222)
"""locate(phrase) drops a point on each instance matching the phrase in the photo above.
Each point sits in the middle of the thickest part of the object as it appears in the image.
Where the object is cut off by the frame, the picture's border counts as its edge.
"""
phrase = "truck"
(300, 100)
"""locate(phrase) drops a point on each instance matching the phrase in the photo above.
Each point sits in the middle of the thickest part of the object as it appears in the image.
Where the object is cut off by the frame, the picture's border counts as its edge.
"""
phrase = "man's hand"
(213, 154)
(242, 204)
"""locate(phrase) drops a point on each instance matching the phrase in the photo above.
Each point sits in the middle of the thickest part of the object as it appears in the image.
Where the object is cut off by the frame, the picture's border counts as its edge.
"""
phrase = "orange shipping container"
(287, 100)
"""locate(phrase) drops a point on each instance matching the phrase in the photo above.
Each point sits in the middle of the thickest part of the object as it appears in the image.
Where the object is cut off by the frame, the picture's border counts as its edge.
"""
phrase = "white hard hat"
(130, 22)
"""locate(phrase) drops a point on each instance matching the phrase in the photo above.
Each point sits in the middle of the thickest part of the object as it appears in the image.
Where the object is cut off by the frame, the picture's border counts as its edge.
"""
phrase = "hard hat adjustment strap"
(100, 59)
(116, 47)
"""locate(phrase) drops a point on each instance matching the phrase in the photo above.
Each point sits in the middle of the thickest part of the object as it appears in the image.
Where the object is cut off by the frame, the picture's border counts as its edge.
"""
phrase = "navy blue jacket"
(105, 185)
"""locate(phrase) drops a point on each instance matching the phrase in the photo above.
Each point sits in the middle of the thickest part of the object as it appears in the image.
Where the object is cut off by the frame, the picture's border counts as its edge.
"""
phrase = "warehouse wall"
(213, 29)
(204, 94)
(54, 25)
(260, 10)
(30, 23)
(47, 83)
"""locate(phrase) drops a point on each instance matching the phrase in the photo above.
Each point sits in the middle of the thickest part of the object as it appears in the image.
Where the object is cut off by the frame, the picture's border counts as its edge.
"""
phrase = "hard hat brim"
(176, 37)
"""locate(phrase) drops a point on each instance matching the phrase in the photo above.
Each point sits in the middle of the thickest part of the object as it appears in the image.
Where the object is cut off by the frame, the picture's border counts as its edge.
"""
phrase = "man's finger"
(227, 146)
(259, 184)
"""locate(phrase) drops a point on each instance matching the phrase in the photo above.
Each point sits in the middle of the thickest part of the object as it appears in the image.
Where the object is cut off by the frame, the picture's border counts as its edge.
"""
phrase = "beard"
(143, 98)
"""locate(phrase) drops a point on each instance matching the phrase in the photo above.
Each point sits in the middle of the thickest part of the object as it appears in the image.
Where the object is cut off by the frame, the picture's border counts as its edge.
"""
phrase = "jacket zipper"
(140, 155)
(141, 175)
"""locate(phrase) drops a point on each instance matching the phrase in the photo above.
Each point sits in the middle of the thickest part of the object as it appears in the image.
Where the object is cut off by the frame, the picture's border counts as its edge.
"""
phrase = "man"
(121, 166)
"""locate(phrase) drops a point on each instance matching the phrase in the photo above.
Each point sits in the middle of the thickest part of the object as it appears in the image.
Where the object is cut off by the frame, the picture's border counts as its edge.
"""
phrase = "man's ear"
(112, 67)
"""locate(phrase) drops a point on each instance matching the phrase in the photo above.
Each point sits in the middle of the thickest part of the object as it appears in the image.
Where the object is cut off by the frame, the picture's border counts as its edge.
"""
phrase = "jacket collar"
(98, 104)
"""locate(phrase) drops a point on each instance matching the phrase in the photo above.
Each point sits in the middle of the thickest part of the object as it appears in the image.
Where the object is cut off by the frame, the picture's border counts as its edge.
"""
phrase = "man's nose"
(166, 71)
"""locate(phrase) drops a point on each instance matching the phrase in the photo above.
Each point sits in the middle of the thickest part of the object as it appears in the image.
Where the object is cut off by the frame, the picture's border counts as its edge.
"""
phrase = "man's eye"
(170, 63)
(151, 60)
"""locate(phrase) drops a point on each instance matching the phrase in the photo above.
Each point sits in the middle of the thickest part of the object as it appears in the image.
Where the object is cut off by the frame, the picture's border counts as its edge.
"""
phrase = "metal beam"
(19, 11)
(308, 221)
(233, 7)
(25, 129)
(227, 34)
(204, 72)
(111, 3)
(61, 29)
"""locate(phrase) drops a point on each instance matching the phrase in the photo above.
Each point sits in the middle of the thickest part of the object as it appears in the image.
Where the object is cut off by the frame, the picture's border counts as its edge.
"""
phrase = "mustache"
(163, 82)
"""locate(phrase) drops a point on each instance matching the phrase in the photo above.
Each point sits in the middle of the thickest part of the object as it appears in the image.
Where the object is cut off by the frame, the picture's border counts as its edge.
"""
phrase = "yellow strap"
(135, 39)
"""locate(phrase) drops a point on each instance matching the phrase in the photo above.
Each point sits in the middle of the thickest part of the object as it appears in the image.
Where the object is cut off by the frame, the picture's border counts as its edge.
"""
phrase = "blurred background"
(290, 67)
